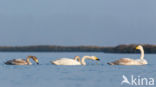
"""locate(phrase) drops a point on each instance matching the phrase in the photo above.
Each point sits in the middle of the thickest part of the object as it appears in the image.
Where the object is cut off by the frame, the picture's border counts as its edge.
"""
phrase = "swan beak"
(98, 59)
(137, 48)
(37, 61)
(95, 58)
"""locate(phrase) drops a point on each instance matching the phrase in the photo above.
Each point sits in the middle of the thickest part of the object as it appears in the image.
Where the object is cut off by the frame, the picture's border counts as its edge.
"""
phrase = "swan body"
(77, 58)
(65, 61)
(22, 61)
(129, 61)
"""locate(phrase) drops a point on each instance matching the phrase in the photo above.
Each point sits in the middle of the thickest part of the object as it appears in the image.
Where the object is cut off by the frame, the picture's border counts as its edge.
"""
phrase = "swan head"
(95, 58)
(34, 58)
(139, 47)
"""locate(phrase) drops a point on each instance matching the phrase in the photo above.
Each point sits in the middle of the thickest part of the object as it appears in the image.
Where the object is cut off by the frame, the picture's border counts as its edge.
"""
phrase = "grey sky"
(77, 22)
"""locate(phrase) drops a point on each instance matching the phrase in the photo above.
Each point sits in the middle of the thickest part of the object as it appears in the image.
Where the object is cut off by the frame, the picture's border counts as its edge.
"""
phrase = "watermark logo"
(137, 81)
(125, 80)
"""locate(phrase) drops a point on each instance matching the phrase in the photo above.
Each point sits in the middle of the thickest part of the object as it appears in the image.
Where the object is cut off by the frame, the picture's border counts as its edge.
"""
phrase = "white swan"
(128, 61)
(65, 61)
(76, 58)
(22, 61)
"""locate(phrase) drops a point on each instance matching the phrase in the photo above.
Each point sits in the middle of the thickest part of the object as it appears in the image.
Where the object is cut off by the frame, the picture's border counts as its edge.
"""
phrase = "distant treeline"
(116, 49)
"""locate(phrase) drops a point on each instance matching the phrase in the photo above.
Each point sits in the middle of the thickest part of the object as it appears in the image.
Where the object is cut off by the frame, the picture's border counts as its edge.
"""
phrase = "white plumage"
(69, 61)
(129, 61)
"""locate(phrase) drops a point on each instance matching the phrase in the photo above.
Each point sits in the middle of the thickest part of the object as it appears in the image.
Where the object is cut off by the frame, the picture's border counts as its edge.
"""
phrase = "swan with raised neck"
(129, 61)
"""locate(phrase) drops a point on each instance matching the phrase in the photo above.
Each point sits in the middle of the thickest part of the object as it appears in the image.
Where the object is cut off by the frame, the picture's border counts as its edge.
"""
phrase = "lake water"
(94, 74)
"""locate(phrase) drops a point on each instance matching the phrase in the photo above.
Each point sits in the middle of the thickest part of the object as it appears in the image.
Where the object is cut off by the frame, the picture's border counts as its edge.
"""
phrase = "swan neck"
(83, 60)
(28, 60)
(142, 53)
(77, 58)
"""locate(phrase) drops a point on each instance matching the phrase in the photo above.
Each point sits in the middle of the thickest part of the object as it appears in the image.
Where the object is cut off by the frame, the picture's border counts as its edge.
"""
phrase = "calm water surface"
(95, 74)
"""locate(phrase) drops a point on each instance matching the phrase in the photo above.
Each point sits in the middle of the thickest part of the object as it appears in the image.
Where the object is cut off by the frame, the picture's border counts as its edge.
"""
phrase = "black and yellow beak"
(137, 48)
(98, 59)
(37, 61)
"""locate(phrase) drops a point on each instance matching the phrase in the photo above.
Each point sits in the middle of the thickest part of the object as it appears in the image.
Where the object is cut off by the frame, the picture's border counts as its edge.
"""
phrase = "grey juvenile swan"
(22, 61)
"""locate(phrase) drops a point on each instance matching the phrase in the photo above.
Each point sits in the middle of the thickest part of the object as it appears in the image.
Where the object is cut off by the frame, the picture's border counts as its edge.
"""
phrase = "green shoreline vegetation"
(47, 48)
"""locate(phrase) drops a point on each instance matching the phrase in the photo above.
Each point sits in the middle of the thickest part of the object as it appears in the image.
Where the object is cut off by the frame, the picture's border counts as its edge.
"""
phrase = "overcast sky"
(77, 22)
